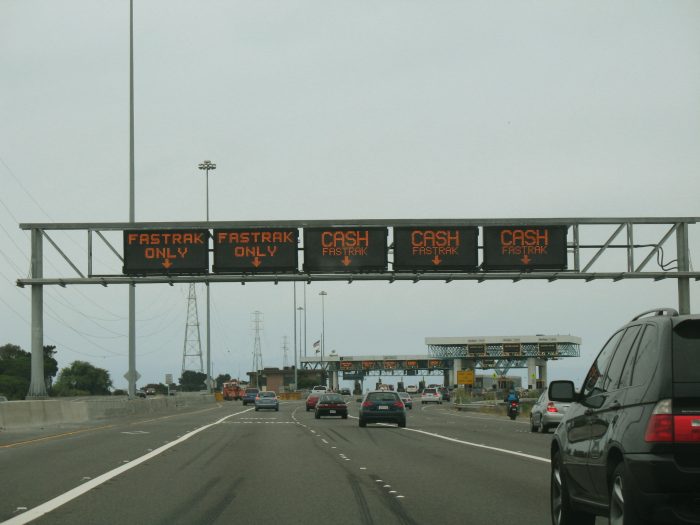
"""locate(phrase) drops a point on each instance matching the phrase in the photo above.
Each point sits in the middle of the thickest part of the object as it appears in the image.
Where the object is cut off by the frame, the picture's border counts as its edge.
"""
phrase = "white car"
(319, 389)
(411, 389)
(430, 395)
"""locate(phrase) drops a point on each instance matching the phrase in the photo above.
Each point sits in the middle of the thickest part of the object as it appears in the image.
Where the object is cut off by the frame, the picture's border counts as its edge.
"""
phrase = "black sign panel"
(477, 349)
(255, 250)
(352, 249)
(435, 249)
(525, 248)
(511, 348)
(166, 251)
(548, 348)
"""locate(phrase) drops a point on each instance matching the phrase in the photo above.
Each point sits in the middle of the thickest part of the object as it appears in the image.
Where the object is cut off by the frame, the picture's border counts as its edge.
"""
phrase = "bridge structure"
(451, 356)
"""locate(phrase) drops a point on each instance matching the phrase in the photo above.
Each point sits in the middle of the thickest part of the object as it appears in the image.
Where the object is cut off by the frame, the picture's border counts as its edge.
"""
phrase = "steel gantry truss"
(584, 259)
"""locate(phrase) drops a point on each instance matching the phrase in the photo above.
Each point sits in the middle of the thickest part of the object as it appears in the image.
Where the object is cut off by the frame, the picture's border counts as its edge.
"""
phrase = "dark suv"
(629, 444)
(250, 395)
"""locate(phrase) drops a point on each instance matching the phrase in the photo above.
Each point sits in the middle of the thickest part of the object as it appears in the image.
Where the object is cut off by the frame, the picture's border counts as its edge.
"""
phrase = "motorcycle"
(513, 409)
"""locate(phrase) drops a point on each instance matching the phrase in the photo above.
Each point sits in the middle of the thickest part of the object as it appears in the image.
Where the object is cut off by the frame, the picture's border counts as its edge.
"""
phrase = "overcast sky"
(380, 109)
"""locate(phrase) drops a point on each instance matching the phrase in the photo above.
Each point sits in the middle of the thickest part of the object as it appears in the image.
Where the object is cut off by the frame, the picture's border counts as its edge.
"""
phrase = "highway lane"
(287, 467)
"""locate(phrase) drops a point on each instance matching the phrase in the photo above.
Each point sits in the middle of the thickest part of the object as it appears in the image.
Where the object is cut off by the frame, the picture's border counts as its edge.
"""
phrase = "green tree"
(192, 381)
(16, 370)
(221, 379)
(81, 379)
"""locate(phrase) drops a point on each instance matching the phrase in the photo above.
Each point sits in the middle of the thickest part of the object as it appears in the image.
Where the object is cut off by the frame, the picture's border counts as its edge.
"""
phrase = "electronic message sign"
(353, 249)
(477, 349)
(435, 249)
(166, 251)
(511, 348)
(255, 250)
(525, 248)
(548, 348)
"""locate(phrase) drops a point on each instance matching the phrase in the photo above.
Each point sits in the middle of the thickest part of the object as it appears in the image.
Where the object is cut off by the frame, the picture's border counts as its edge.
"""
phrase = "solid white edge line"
(478, 445)
(64, 498)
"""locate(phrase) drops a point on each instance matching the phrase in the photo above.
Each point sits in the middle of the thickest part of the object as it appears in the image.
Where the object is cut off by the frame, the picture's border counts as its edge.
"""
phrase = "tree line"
(80, 378)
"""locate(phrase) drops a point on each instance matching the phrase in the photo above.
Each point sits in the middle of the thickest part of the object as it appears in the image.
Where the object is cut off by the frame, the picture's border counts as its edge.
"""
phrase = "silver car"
(267, 400)
(546, 414)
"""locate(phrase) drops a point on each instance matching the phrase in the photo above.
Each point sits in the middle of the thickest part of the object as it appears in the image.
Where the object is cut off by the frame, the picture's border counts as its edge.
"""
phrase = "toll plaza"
(455, 359)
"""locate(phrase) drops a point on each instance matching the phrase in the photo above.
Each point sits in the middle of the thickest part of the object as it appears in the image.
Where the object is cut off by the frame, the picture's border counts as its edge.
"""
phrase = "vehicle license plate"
(383, 407)
(332, 411)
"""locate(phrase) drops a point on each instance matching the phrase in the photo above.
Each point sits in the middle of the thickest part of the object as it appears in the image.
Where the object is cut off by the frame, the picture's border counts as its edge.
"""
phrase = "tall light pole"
(208, 165)
(323, 324)
(132, 373)
(300, 309)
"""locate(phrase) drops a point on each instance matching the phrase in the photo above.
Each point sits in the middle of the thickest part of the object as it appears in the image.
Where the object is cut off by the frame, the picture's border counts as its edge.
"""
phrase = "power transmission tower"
(192, 349)
(257, 321)
(285, 351)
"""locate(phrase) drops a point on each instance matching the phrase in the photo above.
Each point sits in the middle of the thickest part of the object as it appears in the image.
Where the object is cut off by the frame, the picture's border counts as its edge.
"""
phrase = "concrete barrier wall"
(52, 412)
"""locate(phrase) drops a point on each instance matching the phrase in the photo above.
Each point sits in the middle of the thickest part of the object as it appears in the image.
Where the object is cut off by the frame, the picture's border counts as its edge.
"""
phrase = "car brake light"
(551, 407)
(399, 404)
(660, 426)
(687, 428)
(367, 404)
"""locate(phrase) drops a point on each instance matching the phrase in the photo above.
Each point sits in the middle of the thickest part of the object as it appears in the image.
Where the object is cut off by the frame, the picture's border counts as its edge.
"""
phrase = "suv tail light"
(687, 428)
(367, 404)
(660, 426)
(399, 404)
(551, 407)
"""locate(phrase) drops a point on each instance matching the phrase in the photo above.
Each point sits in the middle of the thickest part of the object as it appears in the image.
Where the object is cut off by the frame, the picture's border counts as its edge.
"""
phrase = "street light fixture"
(323, 324)
(207, 166)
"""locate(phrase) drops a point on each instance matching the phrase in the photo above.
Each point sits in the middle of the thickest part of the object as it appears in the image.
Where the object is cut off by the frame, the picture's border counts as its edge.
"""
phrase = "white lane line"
(62, 499)
(326, 442)
(478, 445)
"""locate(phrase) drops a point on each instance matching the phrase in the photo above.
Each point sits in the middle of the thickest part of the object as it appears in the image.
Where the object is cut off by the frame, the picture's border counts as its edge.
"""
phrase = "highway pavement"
(228, 463)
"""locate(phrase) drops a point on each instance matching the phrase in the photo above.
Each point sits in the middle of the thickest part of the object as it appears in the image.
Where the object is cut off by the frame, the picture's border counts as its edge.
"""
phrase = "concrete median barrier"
(62, 411)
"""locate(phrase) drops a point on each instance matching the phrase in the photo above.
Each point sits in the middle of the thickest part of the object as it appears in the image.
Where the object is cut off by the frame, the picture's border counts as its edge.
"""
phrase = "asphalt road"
(228, 463)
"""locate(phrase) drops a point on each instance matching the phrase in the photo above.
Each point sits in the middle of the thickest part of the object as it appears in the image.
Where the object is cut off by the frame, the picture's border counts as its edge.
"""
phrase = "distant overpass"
(449, 355)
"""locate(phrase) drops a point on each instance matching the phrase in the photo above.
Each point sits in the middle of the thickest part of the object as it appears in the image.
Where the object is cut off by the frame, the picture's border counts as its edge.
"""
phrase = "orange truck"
(232, 390)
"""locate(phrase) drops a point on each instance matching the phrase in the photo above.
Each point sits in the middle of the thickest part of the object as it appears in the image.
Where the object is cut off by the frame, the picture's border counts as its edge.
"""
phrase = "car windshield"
(429, 391)
(251, 391)
(267, 394)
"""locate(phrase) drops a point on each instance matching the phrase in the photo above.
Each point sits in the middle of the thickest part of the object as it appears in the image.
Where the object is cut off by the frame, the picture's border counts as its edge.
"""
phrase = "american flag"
(317, 345)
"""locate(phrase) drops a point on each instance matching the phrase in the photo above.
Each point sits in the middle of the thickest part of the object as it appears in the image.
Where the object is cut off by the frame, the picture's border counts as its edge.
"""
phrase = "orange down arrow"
(257, 262)
(437, 261)
(167, 263)
(346, 261)
(525, 260)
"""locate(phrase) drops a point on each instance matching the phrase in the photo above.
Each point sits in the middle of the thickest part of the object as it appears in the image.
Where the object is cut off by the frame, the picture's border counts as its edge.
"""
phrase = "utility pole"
(257, 322)
(207, 166)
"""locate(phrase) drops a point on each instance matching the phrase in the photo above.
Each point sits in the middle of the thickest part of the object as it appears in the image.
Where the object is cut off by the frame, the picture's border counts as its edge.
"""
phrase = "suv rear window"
(430, 391)
(686, 352)
(251, 390)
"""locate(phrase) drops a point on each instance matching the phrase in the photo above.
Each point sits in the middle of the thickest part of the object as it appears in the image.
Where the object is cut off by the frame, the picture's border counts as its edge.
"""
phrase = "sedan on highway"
(546, 414)
(267, 400)
(382, 406)
(311, 400)
(331, 405)
(407, 400)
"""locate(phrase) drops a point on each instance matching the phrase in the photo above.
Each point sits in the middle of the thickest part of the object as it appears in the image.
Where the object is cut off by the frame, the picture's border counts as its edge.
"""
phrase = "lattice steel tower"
(285, 351)
(192, 349)
(257, 321)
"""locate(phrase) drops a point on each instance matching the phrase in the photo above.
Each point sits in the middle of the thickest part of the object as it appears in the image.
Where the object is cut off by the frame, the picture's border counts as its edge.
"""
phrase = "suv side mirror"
(562, 391)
